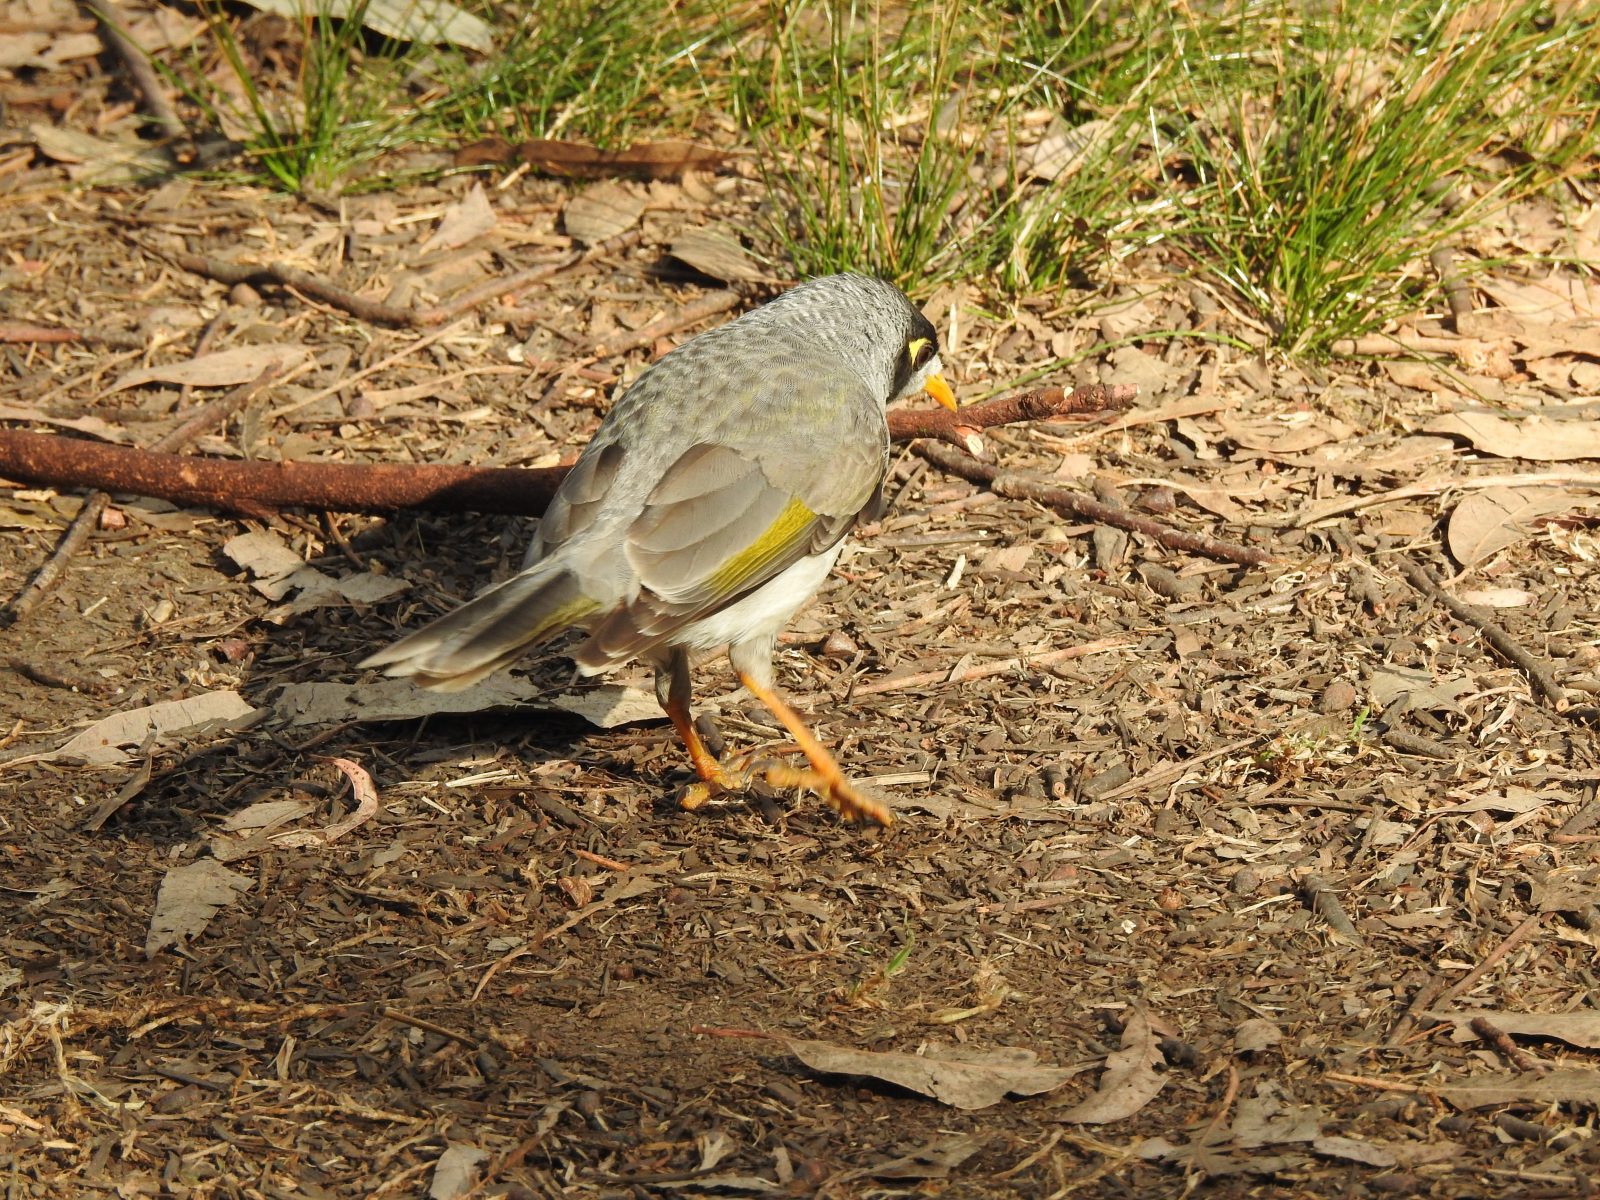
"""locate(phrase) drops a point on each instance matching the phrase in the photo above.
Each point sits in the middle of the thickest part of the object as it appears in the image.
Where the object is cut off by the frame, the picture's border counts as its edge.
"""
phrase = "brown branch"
(1538, 673)
(960, 427)
(78, 532)
(258, 488)
(22, 331)
(1007, 483)
(145, 80)
(1501, 1041)
(377, 311)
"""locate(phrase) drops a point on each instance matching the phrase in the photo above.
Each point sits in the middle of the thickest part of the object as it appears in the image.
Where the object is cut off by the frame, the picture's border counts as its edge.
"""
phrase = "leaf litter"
(512, 950)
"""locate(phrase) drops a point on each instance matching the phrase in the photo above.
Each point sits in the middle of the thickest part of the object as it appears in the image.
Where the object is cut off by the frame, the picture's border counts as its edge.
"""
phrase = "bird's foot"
(834, 790)
(717, 779)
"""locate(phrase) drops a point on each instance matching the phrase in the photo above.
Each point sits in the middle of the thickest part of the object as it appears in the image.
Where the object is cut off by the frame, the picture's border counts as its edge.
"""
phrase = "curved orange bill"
(938, 389)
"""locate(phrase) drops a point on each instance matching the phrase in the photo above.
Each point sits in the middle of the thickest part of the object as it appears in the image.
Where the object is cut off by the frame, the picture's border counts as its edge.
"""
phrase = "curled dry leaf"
(962, 1077)
(1131, 1080)
(190, 896)
(366, 794)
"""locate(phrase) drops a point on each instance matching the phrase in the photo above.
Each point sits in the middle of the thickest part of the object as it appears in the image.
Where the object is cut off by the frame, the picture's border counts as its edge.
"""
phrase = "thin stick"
(1511, 941)
(983, 671)
(1501, 1041)
(1009, 484)
(1539, 673)
(77, 533)
(145, 80)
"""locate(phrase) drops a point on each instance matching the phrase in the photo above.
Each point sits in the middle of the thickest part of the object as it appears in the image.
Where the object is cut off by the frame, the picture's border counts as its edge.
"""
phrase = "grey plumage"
(713, 498)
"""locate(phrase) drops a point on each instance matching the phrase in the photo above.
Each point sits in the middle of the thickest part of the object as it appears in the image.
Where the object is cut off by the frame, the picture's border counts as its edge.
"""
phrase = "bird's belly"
(764, 611)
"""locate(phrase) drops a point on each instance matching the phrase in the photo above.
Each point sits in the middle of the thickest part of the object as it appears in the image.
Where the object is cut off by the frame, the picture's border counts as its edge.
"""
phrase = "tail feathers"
(488, 632)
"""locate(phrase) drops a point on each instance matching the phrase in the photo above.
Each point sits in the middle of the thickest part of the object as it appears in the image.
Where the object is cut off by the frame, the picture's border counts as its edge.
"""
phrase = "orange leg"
(824, 778)
(715, 777)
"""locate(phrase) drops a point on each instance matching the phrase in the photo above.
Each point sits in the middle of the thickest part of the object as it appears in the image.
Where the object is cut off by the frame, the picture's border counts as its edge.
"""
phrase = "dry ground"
(1250, 848)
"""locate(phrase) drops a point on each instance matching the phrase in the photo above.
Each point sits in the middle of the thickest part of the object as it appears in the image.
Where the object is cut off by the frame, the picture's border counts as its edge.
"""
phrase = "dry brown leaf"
(1255, 1035)
(225, 368)
(1570, 1085)
(456, 1171)
(1486, 522)
(93, 426)
(1578, 1028)
(1265, 1119)
(604, 705)
(1066, 149)
(1385, 1154)
(1498, 597)
(1131, 1079)
(404, 20)
(1560, 296)
(602, 211)
(1293, 434)
(190, 896)
(716, 253)
(962, 1077)
(648, 160)
(934, 1161)
(108, 740)
(1532, 437)
(99, 161)
(1404, 688)
(470, 217)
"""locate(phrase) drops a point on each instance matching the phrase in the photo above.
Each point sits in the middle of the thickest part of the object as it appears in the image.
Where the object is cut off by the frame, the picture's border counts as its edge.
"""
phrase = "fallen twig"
(378, 311)
(983, 670)
(24, 332)
(78, 532)
(1501, 1041)
(1006, 483)
(1507, 944)
(1319, 895)
(960, 428)
(145, 80)
(258, 489)
(1538, 673)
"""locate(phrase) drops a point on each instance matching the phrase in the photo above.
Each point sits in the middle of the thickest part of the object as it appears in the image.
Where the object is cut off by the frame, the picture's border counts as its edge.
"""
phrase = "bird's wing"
(715, 528)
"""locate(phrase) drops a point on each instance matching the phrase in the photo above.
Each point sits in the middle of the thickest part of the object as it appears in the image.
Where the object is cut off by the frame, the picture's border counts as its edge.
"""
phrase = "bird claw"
(833, 789)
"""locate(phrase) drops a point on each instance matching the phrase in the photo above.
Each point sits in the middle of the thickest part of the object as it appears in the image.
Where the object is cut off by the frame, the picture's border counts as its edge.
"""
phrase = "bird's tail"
(489, 631)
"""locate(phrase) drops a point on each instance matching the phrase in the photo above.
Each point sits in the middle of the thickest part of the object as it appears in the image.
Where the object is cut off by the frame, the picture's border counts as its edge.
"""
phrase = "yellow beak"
(938, 389)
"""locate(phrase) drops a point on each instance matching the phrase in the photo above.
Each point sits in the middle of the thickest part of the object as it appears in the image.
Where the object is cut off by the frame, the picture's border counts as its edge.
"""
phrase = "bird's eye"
(919, 351)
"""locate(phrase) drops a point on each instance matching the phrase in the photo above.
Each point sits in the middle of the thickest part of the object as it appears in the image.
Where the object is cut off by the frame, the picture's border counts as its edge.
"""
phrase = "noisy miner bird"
(711, 504)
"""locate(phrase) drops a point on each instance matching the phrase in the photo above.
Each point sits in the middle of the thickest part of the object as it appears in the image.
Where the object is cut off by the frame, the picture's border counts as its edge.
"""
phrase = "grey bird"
(711, 504)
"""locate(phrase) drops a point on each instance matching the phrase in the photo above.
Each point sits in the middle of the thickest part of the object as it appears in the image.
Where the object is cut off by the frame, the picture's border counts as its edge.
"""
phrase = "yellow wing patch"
(751, 562)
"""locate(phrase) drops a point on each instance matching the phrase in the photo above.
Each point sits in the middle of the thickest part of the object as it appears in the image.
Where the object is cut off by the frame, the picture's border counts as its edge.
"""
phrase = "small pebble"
(1338, 696)
(840, 646)
(1246, 881)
